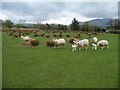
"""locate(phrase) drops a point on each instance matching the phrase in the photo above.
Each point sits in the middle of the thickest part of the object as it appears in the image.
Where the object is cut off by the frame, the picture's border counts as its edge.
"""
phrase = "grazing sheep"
(53, 31)
(34, 42)
(60, 35)
(42, 35)
(103, 44)
(82, 43)
(26, 39)
(74, 46)
(94, 40)
(94, 33)
(54, 35)
(36, 35)
(47, 36)
(77, 36)
(67, 35)
(59, 42)
(50, 43)
(60, 32)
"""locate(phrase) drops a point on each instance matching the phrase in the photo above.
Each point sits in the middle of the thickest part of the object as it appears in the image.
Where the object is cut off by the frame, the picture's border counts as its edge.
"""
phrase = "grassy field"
(45, 67)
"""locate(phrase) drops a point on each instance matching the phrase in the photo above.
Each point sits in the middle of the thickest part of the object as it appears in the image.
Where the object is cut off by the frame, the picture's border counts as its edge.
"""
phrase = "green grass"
(45, 67)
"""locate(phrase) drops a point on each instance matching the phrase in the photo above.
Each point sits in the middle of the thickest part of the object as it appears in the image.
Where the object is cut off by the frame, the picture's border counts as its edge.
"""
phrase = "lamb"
(74, 46)
(26, 39)
(59, 42)
(82, 43)
(103, 44)
(94, 46)
(94, 40)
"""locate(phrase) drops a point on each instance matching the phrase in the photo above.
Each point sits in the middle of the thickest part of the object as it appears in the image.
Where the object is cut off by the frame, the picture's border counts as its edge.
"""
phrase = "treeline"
(75, 26)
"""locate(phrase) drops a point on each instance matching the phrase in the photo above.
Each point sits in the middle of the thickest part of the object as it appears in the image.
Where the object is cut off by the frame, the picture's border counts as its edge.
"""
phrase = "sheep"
(74, 46)
(60, 35)
(55, 35)
(94, 40)
(34, 42)
(103, 44)
(77, 36)
(42, 35)
(25, 39)
(59, 42)
(82, 43)
(47, 36)
(67, 35)
(50, 43)
(71, 40)
(94, 46)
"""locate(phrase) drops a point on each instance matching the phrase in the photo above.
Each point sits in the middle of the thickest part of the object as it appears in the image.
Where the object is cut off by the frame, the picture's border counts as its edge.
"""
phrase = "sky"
(57, 12)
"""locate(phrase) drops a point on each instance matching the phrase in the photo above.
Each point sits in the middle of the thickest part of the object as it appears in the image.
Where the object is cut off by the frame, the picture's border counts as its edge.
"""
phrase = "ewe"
(103, 44)
(59, 42)
(82, 43)
(25, 40)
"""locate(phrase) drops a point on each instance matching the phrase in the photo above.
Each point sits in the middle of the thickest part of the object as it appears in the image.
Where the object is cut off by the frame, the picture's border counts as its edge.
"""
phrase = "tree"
(8, 24)
(74, 25)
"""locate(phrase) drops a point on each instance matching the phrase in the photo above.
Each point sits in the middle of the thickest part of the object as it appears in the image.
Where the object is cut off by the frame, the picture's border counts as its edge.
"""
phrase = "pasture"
(46, 67)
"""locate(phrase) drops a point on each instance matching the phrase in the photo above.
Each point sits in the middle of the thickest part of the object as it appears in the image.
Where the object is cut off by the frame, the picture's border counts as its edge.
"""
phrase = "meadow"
(26, 66)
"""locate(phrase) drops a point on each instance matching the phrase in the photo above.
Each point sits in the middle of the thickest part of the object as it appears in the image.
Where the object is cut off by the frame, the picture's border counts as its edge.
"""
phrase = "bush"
(34, 42)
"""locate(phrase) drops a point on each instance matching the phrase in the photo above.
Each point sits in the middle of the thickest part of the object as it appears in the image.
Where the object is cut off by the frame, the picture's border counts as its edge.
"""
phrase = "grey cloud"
(34, 11)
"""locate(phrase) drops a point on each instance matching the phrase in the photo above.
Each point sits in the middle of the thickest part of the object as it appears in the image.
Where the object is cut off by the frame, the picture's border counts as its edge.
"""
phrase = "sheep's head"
(22, 36)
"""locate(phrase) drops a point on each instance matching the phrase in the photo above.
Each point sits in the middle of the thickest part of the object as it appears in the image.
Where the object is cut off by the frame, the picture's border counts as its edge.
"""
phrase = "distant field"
(45, 67)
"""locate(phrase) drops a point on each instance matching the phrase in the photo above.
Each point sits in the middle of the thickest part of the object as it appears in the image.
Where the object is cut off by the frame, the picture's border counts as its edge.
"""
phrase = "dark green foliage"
(8, 24)
(74, 25)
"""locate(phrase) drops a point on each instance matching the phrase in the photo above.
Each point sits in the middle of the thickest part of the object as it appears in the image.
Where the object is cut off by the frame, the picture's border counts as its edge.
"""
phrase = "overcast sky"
(57, 12)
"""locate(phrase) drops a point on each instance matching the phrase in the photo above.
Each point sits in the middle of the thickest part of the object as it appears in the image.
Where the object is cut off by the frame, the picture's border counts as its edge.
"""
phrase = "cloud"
(58, 12)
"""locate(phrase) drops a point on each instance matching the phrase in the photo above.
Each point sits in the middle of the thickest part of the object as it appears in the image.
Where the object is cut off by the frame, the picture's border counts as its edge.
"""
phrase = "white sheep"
(94, 40)
(59, 42)
(82, 43)
(74, 46)
(94, 46)
(103, 44)
(25, 39)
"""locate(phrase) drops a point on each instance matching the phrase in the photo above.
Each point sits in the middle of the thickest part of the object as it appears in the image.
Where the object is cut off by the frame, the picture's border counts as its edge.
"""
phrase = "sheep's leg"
(107, 46)
(79, 48)
(102, 47)
(86, 48)
(73, 49)
(95, 48)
